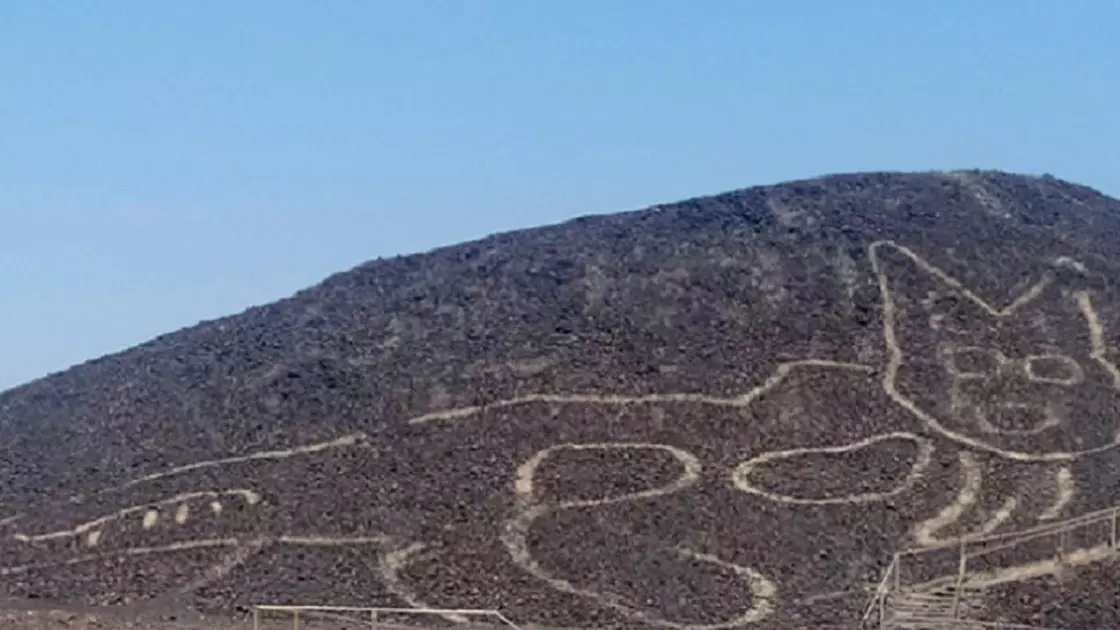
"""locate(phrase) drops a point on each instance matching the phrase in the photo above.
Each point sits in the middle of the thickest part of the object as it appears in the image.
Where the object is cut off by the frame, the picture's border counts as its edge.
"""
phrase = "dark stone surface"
(577, 337)
(1084, 597)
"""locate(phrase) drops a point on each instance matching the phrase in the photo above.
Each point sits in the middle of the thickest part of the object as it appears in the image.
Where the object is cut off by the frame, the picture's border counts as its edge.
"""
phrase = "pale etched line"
(690, 473)
(1006, 509)
(151, 517)
(1050, 420)
(745, 400)
(209, 543)
(740, 477)
(1098, 345)
(1063, 480)
(250, 497)
(515, 538)
(243, 551)
(950, 352)
(391, 566)
(987, 201)
(332, 541)
(1066, 261)
(348, 440)
(895, 360)
(1023, 299)
(182, 513)
(1076, 374)
(1031, 570)
(220, 570)
(764, 591)
(962, 405)
(972, 476)
(1022, 571)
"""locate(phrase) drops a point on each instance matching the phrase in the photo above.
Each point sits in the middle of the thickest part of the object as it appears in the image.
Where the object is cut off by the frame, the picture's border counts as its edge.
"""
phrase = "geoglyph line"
(237, 558)
(244, 546)
(1098, 345)
(1017, 303)
(740, 477)
(1024, 571)
(208, 543)
(332, 541)
(393, 560)
(390, 567)
(349, 440)
(1063, 481)
(1018, 573)
(515, 537)
(690, 473)
(780, 373)
(896, 356)
(150, 514)
(972, 479)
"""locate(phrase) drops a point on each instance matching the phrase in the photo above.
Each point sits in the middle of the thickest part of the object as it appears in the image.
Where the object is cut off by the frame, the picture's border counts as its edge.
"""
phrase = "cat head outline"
(1014, 380)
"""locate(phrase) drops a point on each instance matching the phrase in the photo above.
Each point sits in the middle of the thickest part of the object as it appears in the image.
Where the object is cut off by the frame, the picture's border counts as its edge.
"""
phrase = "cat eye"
(973, 361)
(1056, 369)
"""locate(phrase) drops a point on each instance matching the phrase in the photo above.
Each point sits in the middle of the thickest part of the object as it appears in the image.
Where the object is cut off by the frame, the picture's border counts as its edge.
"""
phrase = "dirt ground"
(24, 616)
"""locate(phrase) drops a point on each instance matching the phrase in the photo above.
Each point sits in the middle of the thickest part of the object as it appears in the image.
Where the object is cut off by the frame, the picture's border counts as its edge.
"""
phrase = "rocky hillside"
(726, 412)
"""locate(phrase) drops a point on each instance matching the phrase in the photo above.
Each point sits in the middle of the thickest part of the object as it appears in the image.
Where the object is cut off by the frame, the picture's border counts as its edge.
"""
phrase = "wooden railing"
(371, 617)
(877, 608)
(976, 561)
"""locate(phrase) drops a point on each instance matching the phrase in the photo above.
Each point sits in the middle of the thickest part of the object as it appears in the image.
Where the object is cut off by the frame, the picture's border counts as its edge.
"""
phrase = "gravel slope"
(728, 411)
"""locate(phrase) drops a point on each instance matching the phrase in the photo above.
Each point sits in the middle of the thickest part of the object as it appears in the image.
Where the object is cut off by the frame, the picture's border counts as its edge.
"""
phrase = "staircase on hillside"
(938, 608)
(935, 604)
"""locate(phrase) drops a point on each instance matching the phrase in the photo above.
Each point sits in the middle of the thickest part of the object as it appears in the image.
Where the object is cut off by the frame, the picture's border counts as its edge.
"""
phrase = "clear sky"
(167, 162)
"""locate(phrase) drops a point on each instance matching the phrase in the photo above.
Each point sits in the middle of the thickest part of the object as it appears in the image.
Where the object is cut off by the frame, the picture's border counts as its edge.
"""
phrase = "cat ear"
(1055, 302)
(908, 271)
(1072, 275)
(921, 302)
(1099, 321)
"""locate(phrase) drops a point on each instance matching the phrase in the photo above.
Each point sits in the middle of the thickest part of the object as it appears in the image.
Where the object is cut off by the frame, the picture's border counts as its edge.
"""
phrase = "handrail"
(881, 590)
(969, 624)
(1088, 518)
(962, 570)
(972, 547)
(296, 609)
(388, 611)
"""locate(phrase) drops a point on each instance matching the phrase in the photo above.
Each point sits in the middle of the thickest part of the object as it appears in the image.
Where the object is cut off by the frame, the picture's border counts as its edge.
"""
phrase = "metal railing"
(373, 617)
(877, 607)
(941, 623)
(973, 561)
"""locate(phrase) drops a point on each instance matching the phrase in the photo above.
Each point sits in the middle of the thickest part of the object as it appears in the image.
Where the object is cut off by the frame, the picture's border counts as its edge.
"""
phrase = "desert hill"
(726, 412)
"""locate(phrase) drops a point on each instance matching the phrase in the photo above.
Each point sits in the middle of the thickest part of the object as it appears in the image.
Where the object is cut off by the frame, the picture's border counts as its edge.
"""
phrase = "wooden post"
(897, 571)
(256, 618)
(295, 620)
(373, 619)
(1112, 538)
(1062, 557)
(882, 608)
(962, 567)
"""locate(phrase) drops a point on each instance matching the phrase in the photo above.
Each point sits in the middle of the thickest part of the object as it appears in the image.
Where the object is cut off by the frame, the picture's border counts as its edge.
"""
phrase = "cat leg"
(928, 533)
(1065, 488)
(531, 508)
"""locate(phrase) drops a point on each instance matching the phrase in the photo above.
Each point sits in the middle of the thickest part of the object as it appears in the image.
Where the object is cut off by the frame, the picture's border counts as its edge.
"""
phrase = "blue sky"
(162, 163)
